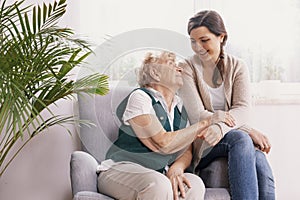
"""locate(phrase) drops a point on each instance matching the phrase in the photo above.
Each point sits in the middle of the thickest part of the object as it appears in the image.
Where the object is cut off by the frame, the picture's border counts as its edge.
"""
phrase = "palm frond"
(93, 84)
(36, 58)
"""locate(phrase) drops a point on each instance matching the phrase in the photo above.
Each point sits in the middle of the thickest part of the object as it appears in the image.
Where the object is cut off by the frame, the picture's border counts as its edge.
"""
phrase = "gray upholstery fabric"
(211, 194)
(86, 195)
(97, 139)
(216, 194)
(215, 175)
(83, 172)
(101, 111)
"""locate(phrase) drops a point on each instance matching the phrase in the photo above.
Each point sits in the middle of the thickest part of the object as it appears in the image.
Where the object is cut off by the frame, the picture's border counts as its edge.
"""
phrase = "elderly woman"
(153, 149)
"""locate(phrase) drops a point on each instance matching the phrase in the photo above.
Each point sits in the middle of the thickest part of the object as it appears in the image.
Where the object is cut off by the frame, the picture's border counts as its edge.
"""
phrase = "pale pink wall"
(41, 170)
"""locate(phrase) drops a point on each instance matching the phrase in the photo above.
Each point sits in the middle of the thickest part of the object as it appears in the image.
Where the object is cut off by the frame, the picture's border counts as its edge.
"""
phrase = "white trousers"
(131, 181)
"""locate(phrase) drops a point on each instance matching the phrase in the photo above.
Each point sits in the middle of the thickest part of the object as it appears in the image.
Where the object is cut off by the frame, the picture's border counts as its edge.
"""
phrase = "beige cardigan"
(197, 101)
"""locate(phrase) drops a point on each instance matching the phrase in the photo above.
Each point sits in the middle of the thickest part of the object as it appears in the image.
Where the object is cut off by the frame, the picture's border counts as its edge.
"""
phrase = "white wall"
(41, 171)
(281, 125)
(100, 19)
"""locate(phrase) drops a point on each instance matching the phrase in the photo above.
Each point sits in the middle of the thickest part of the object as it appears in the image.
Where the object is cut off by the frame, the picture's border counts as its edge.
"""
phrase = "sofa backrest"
(101, 111)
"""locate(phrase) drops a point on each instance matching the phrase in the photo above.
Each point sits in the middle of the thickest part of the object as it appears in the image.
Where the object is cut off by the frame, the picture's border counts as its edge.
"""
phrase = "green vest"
(129, 148)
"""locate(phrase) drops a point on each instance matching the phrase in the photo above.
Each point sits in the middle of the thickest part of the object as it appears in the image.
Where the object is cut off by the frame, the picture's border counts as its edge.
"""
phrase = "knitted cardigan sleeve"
(237, 93)
(193, 98)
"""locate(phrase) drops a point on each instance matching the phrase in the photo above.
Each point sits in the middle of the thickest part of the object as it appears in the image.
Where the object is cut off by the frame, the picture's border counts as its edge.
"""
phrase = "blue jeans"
(250, 175)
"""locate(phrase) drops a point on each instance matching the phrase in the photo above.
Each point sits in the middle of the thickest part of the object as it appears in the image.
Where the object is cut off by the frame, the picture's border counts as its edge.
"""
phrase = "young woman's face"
(206, 44)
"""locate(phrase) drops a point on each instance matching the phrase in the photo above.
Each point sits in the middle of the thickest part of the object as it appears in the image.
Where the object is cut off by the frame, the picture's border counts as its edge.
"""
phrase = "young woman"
(216, 82)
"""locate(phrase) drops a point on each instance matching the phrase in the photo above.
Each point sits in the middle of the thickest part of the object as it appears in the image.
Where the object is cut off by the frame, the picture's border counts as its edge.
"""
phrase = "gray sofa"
(97, 139)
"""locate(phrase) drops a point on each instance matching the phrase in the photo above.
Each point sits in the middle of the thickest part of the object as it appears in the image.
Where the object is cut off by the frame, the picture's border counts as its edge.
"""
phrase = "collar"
(177, 101)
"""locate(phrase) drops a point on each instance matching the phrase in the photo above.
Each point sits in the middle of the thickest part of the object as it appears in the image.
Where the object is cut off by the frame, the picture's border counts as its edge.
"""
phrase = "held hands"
(223, 116)
(260, 140)
(178, 182)
(212, 135)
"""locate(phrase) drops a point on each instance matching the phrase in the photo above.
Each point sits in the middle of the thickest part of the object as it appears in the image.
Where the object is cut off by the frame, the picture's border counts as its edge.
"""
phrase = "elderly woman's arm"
(150, 131)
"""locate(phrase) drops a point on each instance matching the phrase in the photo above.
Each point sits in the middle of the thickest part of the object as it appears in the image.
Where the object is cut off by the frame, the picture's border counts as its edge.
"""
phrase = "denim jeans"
(250, 175)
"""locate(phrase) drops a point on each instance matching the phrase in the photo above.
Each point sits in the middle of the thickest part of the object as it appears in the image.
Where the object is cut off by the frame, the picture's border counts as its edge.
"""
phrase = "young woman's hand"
(260, 140)
(179, 182)
(223, 116)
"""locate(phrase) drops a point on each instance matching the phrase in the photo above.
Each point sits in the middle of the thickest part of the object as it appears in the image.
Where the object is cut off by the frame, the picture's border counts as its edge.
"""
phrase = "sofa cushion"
(216, 194)
(87, 195)
(215, 175)
(100, 110)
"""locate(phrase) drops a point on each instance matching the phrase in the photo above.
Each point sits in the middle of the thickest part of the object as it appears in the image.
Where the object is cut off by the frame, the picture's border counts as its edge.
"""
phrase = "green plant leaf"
(36, 59)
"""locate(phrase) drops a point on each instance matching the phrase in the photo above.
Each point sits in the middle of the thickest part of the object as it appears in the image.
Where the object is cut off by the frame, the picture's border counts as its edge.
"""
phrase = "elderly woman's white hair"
(151, 61)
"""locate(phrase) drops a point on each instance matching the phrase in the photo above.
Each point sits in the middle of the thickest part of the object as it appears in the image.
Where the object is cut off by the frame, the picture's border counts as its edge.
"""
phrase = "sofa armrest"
(83, 172)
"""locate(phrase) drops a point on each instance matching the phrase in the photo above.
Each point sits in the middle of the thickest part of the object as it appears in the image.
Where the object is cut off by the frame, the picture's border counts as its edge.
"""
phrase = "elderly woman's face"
(171, 74)
(206, 44)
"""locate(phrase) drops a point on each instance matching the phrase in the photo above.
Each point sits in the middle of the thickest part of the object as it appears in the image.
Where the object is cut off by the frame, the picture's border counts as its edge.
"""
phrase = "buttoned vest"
(128, 147)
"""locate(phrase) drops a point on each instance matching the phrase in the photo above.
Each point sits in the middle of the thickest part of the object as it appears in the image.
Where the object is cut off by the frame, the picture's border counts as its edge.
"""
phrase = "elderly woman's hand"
(179, 182)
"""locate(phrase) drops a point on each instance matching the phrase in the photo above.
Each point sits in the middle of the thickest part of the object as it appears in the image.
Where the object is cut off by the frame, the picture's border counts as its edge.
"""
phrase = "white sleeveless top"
(217, 96)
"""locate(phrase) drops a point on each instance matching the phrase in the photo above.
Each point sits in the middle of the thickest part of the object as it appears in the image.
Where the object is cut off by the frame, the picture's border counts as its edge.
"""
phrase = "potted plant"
(36, 59)
(270, 86)
(273, 72)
